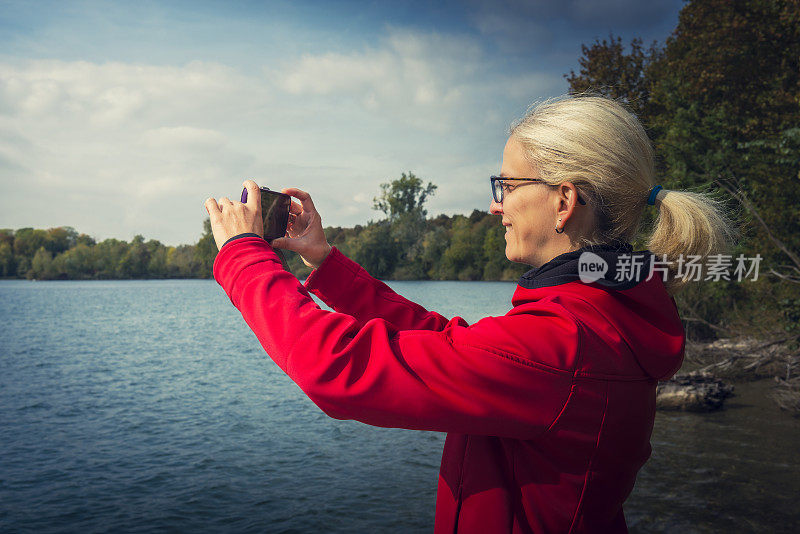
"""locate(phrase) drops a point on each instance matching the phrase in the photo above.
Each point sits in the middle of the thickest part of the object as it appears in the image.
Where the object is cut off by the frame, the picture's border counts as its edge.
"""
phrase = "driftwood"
(753, 359)
(743, 359)
(693, 392)
(787, 394)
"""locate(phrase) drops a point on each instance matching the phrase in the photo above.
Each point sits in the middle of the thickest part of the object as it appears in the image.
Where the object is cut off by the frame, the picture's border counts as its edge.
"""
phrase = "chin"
(520, 259)
(515, 256)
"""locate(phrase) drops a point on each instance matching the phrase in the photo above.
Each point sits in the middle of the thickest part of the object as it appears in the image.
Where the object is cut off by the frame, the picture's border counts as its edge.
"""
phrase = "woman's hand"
(230, 218)
(306, 236)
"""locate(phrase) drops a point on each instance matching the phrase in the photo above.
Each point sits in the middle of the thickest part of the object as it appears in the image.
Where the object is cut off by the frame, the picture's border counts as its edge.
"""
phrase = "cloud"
(542, 29)
(116, 149)
(183, 138)
(421, 78)
(117, 131)
(110, 94)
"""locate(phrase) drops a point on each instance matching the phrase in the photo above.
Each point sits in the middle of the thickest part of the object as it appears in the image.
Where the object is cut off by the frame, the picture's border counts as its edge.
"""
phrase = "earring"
(561, 230)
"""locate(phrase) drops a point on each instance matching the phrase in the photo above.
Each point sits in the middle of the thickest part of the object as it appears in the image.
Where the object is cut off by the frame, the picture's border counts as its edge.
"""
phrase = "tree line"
(405, 245)
(64, 254)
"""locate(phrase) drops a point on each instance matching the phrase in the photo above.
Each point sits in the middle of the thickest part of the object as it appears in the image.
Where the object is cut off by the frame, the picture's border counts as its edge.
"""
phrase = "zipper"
(461, 485)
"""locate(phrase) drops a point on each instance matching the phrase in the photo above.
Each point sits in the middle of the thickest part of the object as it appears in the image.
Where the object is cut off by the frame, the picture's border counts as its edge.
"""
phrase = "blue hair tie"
(653, 193)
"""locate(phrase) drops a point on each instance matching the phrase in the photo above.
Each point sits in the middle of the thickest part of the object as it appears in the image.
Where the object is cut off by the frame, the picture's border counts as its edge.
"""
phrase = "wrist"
(321, 258)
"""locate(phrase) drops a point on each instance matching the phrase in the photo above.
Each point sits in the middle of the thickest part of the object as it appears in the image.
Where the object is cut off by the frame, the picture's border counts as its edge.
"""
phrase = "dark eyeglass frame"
(499, 190)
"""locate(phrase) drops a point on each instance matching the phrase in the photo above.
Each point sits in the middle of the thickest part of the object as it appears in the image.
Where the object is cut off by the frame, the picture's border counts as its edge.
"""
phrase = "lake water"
(149, 406)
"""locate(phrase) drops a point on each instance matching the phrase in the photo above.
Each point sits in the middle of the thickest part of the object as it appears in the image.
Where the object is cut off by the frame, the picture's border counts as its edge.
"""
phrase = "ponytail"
(688, 224)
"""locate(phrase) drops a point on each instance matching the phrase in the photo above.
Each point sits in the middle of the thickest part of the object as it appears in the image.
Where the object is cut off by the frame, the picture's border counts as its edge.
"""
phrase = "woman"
(549, 408)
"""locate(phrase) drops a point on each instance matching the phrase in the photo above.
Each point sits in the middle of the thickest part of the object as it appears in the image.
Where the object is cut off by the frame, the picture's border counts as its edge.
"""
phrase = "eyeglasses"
(499, 187)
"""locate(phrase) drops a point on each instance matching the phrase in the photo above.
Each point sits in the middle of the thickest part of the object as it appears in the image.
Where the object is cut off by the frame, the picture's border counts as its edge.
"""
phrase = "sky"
(121, 118)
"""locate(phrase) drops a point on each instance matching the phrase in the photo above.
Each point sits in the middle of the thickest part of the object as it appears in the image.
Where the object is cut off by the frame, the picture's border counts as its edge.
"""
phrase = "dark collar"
(614, 265)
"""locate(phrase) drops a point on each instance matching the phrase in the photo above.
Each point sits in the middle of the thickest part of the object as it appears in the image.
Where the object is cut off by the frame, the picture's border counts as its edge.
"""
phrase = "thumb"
(283, 242)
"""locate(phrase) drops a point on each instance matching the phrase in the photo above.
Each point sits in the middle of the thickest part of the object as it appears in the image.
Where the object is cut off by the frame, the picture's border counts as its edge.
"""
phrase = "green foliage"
(28, 241)
(404, 246)
(403, 196)
(63, 254)
(41, 265)
(8, 266)
(606, 68)
(182, 262)
(494, 249)
(790, 308)
(375, 250)
(23, 264)
(466, 244)
(61, 239)
(77, 262)
(206, 251)
(109, 255)
(7, 236)
(724, 122)
(134, 261)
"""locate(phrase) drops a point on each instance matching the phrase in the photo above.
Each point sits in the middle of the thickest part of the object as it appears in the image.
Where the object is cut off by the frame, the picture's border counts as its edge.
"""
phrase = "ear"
(567, 198)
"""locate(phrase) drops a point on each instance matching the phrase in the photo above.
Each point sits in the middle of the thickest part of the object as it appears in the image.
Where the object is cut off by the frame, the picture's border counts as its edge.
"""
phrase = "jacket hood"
(608, 288)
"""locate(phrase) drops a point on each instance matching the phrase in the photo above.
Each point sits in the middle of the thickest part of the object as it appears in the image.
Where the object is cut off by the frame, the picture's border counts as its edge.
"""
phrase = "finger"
(302, 196)
(224, 203)
(253, 194)
(291, 231)
(212, 208)
(295, 208)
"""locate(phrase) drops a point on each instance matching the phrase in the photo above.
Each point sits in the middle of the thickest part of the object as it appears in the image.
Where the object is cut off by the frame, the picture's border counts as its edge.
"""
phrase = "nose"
(495, 208)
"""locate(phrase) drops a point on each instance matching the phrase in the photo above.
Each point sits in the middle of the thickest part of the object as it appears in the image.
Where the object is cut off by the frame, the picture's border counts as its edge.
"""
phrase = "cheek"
(530, 234)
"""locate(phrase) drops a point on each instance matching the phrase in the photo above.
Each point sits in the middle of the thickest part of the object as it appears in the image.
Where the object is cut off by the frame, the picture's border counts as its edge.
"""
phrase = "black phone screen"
(275, 210)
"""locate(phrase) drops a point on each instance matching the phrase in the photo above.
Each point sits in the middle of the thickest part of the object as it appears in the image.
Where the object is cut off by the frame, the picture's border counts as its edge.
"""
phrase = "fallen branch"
(745, 356)
(740, 195)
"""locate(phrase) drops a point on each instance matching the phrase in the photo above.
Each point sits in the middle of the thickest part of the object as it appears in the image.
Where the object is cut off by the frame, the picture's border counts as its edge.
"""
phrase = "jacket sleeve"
(470, 380)
(346, 287)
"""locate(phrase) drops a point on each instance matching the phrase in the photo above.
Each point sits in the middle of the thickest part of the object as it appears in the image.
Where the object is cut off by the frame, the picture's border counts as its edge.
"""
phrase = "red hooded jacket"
(548, 409)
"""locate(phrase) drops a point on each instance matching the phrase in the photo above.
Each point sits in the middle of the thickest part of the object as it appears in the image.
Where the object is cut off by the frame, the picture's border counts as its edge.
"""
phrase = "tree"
(404, 195)
(206, 251)
(715, 115)
(109, 255)
(134, 262)
(494, 253)
(41, 265)
(182, 262)
(7, 265)
(61, 239)
(86, 240)
(403, 202)
(608, 70)
(434, 243)
(7, 236)
(460, 259)
(722, 102)
(27, 241)
(375, 250)
(76, 263)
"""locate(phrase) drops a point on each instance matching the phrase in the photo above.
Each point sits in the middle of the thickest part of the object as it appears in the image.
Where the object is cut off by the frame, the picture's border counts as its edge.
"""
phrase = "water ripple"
(149, 406)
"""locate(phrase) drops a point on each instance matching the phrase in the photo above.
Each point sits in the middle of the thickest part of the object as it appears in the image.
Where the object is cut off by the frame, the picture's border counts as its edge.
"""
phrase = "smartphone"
(274, 210)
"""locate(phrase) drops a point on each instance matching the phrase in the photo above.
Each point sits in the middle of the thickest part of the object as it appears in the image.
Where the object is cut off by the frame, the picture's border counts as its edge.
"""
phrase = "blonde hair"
(596, 144)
